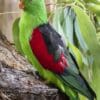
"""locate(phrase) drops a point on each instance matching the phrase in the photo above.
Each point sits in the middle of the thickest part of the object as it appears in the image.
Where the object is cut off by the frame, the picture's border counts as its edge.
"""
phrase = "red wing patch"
(46, 59)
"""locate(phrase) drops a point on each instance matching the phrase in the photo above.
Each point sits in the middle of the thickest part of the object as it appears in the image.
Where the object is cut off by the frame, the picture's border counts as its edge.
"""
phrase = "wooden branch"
(16, 79)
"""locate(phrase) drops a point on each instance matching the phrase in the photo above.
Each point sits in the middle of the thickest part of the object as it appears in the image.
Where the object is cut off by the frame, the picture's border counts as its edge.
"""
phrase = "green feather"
(16, 35)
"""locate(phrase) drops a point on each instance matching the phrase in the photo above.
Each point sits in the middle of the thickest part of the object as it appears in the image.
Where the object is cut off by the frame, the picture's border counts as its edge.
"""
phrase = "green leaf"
(89, 34)
(98, 37)
(79, 36)
(95, 8)
(56, 22)
(67, 24)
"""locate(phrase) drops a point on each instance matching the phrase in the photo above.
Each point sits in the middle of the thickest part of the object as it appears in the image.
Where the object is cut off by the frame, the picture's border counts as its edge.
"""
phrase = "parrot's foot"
(37, 75)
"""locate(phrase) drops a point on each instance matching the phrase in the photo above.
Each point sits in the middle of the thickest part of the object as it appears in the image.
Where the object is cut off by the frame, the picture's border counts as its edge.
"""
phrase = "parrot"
(45, 48)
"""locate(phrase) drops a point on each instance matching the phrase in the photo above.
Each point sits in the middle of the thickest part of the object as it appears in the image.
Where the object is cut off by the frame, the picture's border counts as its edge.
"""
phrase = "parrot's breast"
(40, 50)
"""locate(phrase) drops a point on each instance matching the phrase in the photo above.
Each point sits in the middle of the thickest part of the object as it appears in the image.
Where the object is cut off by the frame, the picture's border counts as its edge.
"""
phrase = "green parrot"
(46, 50)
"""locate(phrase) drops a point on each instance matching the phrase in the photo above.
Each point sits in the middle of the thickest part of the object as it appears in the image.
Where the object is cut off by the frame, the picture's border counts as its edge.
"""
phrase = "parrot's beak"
(21, 5)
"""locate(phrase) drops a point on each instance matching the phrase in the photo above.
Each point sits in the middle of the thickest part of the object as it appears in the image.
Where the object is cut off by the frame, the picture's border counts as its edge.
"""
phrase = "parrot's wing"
(56, 46)
(16, 35)
(71, 75)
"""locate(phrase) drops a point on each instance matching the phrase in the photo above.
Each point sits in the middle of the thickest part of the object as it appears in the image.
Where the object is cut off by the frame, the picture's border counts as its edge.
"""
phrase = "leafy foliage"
(76, 23)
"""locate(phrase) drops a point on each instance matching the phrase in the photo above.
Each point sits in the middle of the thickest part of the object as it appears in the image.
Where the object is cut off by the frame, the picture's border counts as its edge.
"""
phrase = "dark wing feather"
(78, 83)
(53, 40)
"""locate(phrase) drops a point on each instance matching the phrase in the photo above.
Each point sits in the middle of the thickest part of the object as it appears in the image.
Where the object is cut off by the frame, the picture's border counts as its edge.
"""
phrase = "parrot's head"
(31, 5)
(34, 9)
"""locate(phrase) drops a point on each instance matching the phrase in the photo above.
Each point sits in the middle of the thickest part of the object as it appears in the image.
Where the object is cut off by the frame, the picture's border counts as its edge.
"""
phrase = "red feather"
(46, 59)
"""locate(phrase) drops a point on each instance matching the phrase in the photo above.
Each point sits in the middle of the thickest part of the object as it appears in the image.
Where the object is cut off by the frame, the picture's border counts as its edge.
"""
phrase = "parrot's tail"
(79, 84)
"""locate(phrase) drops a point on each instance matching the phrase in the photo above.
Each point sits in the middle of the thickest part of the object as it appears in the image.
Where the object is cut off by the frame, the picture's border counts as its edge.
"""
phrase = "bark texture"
(17, 78)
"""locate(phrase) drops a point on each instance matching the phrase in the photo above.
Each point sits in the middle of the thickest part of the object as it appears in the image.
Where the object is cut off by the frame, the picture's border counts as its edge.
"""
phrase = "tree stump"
(17, 81)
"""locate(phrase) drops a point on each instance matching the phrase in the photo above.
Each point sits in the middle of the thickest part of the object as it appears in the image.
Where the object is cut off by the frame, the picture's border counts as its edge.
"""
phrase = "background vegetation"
(81, 28)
